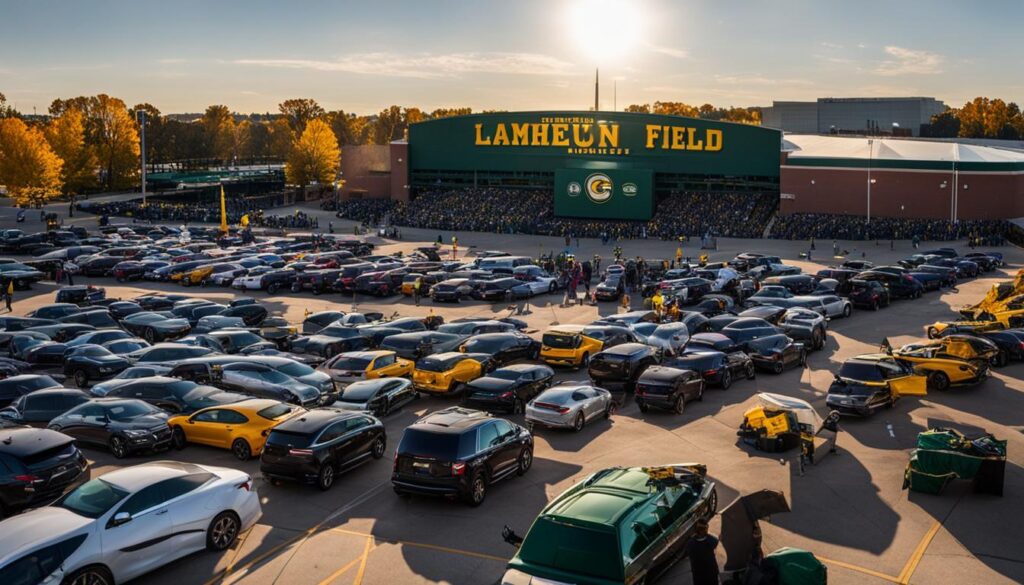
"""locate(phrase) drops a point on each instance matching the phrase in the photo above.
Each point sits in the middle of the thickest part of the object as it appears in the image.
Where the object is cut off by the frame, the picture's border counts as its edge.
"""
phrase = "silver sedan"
(569, 405)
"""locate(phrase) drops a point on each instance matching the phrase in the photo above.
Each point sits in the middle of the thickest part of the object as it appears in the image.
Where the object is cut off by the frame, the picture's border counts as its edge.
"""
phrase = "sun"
(605, 30)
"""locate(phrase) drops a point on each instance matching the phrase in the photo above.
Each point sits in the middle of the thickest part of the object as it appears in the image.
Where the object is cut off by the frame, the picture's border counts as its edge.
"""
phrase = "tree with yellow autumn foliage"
(28, 166)
(66, 135)
(315, 156)
(117, 142)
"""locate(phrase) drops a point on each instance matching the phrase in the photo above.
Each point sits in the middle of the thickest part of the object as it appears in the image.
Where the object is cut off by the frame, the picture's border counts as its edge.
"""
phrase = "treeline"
(750, 115)
(981, 117)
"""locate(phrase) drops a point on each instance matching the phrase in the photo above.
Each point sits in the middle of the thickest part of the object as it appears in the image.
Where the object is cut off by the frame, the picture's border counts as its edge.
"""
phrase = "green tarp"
(797, 567)
(945, 454)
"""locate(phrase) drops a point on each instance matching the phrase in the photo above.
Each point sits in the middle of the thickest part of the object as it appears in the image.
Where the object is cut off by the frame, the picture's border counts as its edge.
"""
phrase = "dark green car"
(620, 525)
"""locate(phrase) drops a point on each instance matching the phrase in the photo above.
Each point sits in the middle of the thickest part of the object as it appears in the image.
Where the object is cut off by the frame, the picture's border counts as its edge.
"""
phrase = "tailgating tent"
(804, 412)
(943, 455)
(738, 521)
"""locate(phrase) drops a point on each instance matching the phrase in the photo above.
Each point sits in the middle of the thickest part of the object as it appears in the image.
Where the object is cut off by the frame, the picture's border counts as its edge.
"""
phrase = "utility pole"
(142, 125)
(596, 86)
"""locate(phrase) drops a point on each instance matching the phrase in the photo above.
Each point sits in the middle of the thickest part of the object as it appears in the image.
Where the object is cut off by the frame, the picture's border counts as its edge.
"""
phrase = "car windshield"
(92, 351)
(486, 345)
(666, 332)
(430, 364)
(698, 362)
(289, 439)
(294, 369)
(206, 396)
(30, 384)
(133, 373)
(350, 363)
(92, 499)
(505, 374)
(572, 550)
(340, 331)
(441, 446)
(561, 340)
(359, 392)
(276, 411)
(126, 411)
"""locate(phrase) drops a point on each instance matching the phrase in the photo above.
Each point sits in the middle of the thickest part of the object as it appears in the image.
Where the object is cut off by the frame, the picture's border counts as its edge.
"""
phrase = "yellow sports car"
(866, 383)
(940, 328)
(353, 366)
(442, 373)
(573, 345)
(945, 363)
(242, 426)
(197, 276)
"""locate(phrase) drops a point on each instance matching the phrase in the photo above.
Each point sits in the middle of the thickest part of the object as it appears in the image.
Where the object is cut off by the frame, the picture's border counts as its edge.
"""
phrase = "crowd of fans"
(164, 211)
(739, 215)
(803, 226)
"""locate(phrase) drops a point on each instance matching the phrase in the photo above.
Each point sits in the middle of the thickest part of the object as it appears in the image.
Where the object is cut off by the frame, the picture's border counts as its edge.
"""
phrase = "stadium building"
(617, 165)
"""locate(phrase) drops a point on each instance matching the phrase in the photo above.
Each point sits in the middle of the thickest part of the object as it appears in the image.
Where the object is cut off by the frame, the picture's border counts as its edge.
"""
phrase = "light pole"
(871, 149)
(142, 127)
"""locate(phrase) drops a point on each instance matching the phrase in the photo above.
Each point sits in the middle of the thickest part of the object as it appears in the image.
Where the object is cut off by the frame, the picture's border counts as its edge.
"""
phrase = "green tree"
(28, 166)
(449, 112)
(300, 112)
(66, 135)
(219, 129)
(315, 157)
(945, 125)
(6, 111)
(116, 142)
(389, 125)
(281, 138)
(639, 108)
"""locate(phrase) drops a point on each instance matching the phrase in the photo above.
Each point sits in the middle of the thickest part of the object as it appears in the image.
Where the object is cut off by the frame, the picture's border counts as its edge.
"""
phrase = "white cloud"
(909, 62)
(427, 65)
(670, 52)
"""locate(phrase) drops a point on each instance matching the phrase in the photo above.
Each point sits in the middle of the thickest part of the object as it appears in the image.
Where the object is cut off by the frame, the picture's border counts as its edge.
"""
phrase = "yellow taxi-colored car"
(442, 373)
(573, 345)
(353, 366)
(943, 363)
(242, 426)
(197, 276)
(866, 383)
(940, 328)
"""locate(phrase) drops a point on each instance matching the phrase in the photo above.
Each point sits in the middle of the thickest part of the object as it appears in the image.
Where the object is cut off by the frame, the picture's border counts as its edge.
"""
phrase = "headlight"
(106, 369)
(136, 433)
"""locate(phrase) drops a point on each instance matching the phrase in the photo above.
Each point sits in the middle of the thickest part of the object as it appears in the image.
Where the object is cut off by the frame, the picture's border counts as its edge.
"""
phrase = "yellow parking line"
(858, 569)
(456, 551)
(238, 550)
(362, 561)
(915, 559)
(340, 572)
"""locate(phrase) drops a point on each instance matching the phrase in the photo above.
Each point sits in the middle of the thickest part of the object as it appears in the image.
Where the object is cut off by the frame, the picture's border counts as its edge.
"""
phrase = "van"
(504, 264)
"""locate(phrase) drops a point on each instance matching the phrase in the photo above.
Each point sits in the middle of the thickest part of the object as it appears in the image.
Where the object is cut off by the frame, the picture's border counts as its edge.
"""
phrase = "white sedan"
(836, 306)
(569, 405)
(127, 523)
(536, 278)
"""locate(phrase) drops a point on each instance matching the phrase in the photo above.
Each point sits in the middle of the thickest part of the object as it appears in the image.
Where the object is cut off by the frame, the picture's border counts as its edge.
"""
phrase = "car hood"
(349, 405)
(303, 391)
(143, 422)
(103, 388)
(39, 524)
(487, 384)
(316, 379)
(170, 324)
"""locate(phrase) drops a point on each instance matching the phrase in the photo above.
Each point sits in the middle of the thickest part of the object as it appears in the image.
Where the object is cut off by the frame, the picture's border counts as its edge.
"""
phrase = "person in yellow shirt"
(657, 302)
(9, 295)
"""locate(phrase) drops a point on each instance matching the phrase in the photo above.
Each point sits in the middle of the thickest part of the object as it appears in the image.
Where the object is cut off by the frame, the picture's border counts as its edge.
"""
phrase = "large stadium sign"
(599, 151)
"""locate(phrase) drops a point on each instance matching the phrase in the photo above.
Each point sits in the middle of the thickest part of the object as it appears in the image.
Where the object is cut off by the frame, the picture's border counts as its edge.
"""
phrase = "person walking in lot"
(416, 290)
(9, 295)
(701, 550)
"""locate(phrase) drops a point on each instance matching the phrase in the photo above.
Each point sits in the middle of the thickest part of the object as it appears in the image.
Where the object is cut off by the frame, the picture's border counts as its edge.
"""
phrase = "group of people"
(803, 226)
(531, 211)
(171, 211)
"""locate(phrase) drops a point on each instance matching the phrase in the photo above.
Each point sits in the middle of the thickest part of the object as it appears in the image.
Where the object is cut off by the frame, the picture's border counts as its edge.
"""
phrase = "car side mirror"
(121, 518)
(510, 536)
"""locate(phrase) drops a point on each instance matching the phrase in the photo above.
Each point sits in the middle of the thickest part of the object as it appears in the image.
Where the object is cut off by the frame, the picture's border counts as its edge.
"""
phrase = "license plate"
(419, 465)
(844, 402)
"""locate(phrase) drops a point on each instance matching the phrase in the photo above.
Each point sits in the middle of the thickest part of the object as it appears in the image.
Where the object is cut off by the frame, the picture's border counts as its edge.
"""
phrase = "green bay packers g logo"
(598, 187)
(574, 189)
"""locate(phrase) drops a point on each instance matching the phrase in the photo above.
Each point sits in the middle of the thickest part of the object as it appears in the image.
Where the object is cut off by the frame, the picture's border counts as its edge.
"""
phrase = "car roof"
(626, 349)
(661, 373)
(137, 477)
(368, 355)
(606, 498)
(313, 420)
(453, 419)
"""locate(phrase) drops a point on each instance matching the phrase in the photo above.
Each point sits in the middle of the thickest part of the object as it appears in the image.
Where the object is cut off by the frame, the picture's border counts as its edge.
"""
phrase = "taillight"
(300, 452)
(245, 485)
(506, 395)
(908, 278)
(394, 466)
(555, 407)
(26, 478)
(710, 372)
(458, 468)
(874, 297)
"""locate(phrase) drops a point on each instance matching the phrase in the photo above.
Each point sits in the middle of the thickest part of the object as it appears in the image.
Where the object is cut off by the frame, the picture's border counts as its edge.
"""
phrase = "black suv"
(313, 447)
(509, 388)
(457, 452)
(868, 293)
(622, 364)
(668, 388)
(37, 466)
(717, 367)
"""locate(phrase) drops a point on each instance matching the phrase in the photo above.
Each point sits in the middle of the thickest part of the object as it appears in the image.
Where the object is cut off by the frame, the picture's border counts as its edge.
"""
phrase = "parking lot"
(849, 509)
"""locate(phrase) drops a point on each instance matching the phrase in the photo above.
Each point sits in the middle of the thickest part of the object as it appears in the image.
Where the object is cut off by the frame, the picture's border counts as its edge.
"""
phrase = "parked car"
(717, 367)
(14, 387)
(417, 344)
(355, 366)
(776, 352)
(445, 373)
(622, 364)
(460, 453)
(867, 383)
(379, 396)
(241, 426)
(315, 447)
(131, 521)
(264, 381)
(668, 388)
(869, 294)
(611, 288)
(902, 286)
(569, 405)
(635, 522)
(503, 348)
(37, 466)
(89, 362)
(38, 408)
(123, 425)
(174, 395)
(154, 327)
(508, 389)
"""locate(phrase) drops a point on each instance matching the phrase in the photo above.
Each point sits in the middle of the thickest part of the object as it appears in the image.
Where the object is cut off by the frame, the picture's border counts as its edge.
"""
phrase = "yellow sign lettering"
(578, 137)
(694, 143)
(520, 134)
(539, 136)
(559, 138)
(714, 141)
(653, 130)
(609, 135)
(678, 138)
(500, 136)
(480, 141)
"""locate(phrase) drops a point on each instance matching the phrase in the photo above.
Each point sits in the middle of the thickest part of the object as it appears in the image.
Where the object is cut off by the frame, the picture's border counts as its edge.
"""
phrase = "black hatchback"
(622, 364)
(37, 466)
(459, 453)
(508, 389)
(124, 425)
(314, 447)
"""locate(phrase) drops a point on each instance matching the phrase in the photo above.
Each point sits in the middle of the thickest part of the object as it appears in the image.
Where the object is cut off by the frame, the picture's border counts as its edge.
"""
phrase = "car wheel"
(525, 461)
(847, 311)
(642, 406)
(150, 335)
(874, 305)
(517, 406)
(585, 362)
(94, 575)
(178, 438)
(933, 333)
(777, 367)
(223, 531)
(273, 288)
(712, 503)
(81, 378)
(118, 448)
(477, 489)
(379, 445)
(579, 423)
(726, 379)
(938, 381)
(240, 448)
(680, 405)
(803, 359)
(819, 339)
(325, 478)
(751, 371)
(1000, 359)
(612, 407)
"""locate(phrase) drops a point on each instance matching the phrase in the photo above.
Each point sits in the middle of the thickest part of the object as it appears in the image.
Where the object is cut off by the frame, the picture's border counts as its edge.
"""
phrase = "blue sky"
(515, 54)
